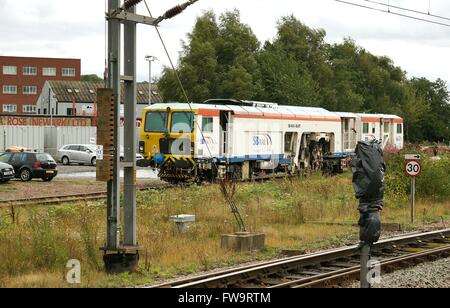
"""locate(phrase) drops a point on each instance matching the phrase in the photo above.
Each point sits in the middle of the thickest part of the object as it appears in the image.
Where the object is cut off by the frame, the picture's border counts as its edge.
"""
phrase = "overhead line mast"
(121, 253)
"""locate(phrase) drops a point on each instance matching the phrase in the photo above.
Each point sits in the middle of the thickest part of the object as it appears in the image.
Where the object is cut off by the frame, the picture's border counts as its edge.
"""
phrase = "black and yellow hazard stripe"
(174, 159)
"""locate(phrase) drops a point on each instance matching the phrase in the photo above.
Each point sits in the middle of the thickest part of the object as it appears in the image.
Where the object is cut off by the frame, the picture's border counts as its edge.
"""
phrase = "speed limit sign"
(413, 168)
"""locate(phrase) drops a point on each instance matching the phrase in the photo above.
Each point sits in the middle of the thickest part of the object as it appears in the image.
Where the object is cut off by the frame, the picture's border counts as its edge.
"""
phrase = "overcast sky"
(76, 29)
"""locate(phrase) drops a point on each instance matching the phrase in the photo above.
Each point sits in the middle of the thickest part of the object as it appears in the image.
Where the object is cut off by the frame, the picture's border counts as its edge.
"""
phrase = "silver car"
(122, 155)
(78, 154)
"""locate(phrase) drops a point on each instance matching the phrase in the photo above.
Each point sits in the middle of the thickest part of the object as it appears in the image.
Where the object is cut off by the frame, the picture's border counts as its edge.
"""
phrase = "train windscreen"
(156, 122)
(182, 122)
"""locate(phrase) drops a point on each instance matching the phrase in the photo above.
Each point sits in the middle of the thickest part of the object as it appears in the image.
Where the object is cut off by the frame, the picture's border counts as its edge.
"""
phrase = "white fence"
(31, 137)
(50, 139)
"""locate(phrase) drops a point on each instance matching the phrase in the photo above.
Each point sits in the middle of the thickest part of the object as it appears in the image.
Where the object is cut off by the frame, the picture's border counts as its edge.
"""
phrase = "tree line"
(223, 58)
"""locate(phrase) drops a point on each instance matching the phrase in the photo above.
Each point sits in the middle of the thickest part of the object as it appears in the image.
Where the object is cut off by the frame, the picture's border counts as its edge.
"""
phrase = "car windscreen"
(182, 122)
(156, 122)
(4, 158)
(44, 157)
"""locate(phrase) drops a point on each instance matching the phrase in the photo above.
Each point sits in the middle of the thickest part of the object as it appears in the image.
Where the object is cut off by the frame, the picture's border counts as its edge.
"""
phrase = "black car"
(6, 172)
(30, 165)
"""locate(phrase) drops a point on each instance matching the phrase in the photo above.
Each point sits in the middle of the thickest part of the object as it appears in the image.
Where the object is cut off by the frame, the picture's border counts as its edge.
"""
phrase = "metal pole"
(113, 202)
(150, 83)
(413, 199)
(130, 133)
(364, 271)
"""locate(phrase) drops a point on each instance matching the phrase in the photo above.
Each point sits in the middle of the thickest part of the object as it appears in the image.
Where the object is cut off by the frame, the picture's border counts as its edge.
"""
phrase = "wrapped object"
(368, 182)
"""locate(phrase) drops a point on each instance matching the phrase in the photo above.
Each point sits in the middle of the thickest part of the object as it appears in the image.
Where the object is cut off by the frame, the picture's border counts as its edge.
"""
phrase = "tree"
(293, 66)
(92, 77)
(434, 124)
(197, 67)
(218, 61)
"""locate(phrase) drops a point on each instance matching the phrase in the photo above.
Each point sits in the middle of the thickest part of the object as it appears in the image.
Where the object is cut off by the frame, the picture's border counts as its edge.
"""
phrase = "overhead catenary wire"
(389, 5)
(224, 189)
(393, 13)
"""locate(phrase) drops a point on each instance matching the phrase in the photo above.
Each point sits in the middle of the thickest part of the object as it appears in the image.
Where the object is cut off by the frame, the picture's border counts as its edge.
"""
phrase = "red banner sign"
(45, 121)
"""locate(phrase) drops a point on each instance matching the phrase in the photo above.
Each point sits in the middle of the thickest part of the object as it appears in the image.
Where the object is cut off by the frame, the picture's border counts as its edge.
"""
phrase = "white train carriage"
(246, 139)
(365, 127)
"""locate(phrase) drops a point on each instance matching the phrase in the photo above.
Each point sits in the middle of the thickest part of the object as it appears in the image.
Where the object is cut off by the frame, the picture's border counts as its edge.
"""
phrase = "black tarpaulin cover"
(368, 181)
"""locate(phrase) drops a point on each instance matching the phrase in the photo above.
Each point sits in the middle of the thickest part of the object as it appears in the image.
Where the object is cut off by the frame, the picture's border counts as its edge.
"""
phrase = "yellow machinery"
(167, 142)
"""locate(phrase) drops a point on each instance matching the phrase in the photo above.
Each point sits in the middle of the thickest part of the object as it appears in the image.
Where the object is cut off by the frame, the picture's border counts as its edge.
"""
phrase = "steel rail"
(242, 275)
(326, 278)
(62, 199)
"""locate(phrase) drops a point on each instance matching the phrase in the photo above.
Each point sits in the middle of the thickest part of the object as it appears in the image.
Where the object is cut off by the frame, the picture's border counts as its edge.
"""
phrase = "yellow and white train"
(246, 140)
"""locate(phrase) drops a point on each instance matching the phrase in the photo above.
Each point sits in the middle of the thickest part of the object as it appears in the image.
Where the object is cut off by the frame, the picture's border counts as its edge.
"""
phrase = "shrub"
(433, 182)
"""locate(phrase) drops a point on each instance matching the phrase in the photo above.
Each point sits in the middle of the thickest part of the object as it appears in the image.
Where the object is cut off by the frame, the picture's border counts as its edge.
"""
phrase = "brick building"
(22, 80)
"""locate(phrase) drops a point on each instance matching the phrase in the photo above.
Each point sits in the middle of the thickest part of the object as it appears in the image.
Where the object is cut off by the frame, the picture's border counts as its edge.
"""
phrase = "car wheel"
(25, 175)
(48, 179)
(94, 161)
(65, 160)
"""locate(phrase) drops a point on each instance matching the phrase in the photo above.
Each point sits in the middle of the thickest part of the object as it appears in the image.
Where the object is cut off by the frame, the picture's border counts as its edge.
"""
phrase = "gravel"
(427, 275)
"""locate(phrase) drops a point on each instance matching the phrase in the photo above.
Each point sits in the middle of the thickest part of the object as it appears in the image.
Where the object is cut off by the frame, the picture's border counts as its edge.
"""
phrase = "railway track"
(94, 196)
(63, 199)
(325, 269)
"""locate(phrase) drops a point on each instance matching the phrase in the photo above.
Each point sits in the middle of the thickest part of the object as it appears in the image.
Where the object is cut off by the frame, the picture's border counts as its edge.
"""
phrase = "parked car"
(78, 154)
(6, 172)
(30, 165)
(122, 155)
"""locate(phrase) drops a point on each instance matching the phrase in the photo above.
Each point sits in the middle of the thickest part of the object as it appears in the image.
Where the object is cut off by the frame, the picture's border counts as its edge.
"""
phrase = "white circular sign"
(413, 168)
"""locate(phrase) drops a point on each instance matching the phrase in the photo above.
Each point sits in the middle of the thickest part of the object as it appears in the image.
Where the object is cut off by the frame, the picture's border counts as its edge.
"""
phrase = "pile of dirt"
(436, 150)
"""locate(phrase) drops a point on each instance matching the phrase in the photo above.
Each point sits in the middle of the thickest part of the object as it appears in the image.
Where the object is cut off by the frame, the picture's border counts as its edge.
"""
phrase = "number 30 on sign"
(413, 168)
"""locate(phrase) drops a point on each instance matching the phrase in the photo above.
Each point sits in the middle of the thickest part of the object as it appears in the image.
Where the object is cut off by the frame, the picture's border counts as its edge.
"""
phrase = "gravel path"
(427, 275)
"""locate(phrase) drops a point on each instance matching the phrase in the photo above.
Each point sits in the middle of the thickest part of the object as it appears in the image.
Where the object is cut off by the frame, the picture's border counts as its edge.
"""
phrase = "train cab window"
(208, 125)
(156, 122)
(365, 128)
(373, 128)
(399, 129)
(182, 122)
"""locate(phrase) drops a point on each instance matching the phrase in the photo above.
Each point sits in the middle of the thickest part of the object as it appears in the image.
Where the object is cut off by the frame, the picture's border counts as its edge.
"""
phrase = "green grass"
(35, 249)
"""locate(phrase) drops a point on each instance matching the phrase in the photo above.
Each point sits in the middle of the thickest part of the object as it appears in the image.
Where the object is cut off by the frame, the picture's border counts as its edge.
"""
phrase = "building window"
(29, 71)
(9, 70)
(71, 111)
(399, 129)
(49, 71)
(365, 128)
(29, 90)
(68, 72)
(10, 108)
(8, 89)
(29, 108)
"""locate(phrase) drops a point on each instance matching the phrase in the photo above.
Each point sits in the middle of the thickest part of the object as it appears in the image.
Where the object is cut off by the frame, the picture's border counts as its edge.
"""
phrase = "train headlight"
(142, 147)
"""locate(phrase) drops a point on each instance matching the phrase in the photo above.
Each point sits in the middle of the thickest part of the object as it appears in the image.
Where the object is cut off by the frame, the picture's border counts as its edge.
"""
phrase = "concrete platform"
(243, 241)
